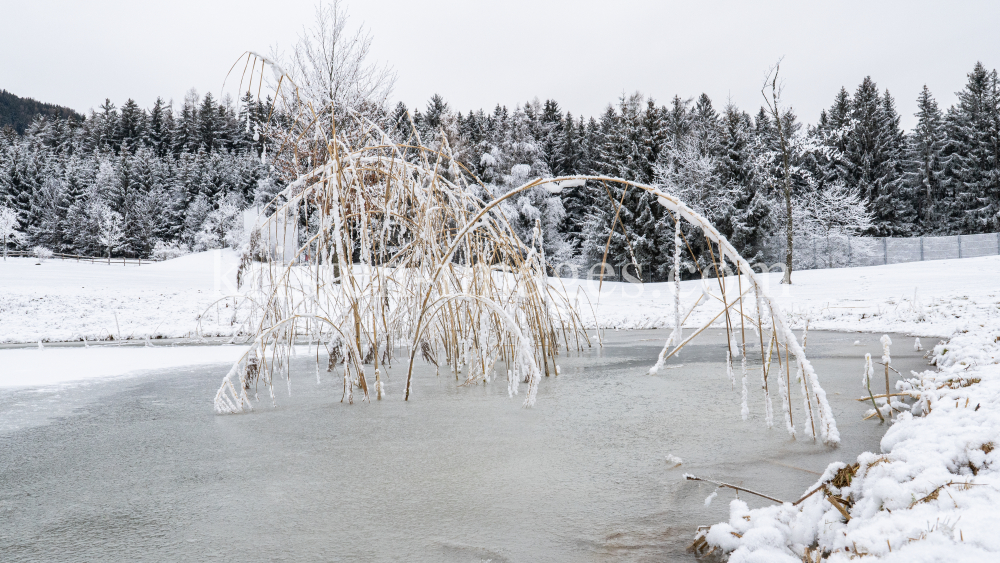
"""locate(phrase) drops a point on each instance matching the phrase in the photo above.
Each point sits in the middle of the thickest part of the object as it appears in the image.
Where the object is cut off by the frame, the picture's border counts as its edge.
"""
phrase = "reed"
(409, 254)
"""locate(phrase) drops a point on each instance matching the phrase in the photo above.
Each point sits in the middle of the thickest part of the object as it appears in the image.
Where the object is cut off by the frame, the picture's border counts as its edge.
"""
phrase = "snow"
(928, 299)
(62, 300)
(930, 494)
(50, 366)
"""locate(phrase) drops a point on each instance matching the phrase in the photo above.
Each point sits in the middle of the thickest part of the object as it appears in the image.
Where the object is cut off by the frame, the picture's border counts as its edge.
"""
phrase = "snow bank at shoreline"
(36, 367)
(931, 495)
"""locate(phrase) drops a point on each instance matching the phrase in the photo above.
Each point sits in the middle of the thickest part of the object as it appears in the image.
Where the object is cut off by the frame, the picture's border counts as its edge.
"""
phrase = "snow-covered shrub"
(111, 229)
(41, 253)
(223, 227)
(168, 250)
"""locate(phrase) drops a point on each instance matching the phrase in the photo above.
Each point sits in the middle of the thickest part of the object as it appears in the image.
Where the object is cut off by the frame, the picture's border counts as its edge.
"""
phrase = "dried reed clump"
(401, 253)
(405, 250)
(844, 476)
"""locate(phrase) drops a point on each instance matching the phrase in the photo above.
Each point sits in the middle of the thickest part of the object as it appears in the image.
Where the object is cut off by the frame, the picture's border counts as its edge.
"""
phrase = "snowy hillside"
(934, 298)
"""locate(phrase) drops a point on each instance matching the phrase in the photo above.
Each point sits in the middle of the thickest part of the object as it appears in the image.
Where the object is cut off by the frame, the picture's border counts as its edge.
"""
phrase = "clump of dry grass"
(404, 254)
(407, 251)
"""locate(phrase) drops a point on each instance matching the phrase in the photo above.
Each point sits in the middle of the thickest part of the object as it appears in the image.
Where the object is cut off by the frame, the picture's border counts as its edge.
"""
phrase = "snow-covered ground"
(62, 300)
(68, 301)
(931, 494)
(934, 298)
(51, 365)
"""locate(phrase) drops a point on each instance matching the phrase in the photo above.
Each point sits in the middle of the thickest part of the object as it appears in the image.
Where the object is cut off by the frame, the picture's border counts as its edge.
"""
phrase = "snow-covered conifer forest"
(177, 175)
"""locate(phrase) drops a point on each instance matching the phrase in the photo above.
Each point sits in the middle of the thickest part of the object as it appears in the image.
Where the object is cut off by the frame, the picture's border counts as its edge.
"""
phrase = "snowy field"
(934, 298)
(931, 494)
(60, 301)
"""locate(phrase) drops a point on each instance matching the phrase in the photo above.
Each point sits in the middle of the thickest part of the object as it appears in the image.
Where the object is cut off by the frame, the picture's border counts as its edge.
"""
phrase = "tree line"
(855, 172)
(179, 180)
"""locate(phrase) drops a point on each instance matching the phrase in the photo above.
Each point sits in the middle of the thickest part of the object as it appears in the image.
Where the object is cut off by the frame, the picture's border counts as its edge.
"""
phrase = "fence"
(812, 253)
(92, 259)
(846, 252)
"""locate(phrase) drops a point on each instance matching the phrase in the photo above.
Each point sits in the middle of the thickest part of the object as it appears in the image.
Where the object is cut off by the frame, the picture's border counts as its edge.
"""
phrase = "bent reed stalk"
(407, 249)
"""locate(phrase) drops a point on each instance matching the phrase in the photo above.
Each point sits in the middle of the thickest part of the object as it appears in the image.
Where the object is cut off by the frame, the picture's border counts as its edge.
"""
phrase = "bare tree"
(8, 227)
(330, 65)
(773, 105)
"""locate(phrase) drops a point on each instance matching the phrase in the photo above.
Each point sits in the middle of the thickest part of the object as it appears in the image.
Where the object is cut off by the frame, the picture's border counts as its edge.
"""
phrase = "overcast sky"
(476, 54)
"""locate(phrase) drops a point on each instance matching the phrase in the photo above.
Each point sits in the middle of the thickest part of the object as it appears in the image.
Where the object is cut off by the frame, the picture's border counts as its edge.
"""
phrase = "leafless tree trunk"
(774, 107)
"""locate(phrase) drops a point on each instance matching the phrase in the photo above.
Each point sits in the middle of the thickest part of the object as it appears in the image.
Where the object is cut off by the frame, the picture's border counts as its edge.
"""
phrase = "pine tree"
(552, 131)
(131, 126)
(872, 160)
(925, 163)
(48, 211)
(892, 207)
(569, 148)
(974, 153)
(750, 223)
(158, 131)
(106, 126)
(654, 123)
(209, 124)
(433, 119)
(185, 133)
(832, 131)
(622, 219)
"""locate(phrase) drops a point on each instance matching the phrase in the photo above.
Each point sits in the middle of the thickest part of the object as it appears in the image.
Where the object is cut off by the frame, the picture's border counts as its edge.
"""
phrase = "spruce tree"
(750, 222)
(131, 126)
(209, 124)
(106, 123)
(872, 160)
(157, 133)
(892, 205)
(185, 134)
(551, 133)
(924, 163)
(974, 153)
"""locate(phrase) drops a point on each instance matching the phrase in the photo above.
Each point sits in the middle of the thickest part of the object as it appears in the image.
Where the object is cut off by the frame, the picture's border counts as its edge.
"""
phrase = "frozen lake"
(140, 469)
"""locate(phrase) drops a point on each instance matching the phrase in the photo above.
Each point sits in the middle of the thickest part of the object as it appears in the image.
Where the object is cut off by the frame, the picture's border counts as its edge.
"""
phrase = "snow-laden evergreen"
(166, 169)
(162, 176)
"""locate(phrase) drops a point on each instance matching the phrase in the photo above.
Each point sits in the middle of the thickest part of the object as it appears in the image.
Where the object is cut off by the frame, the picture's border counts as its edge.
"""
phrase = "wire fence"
(812, 252)
(847, 252)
